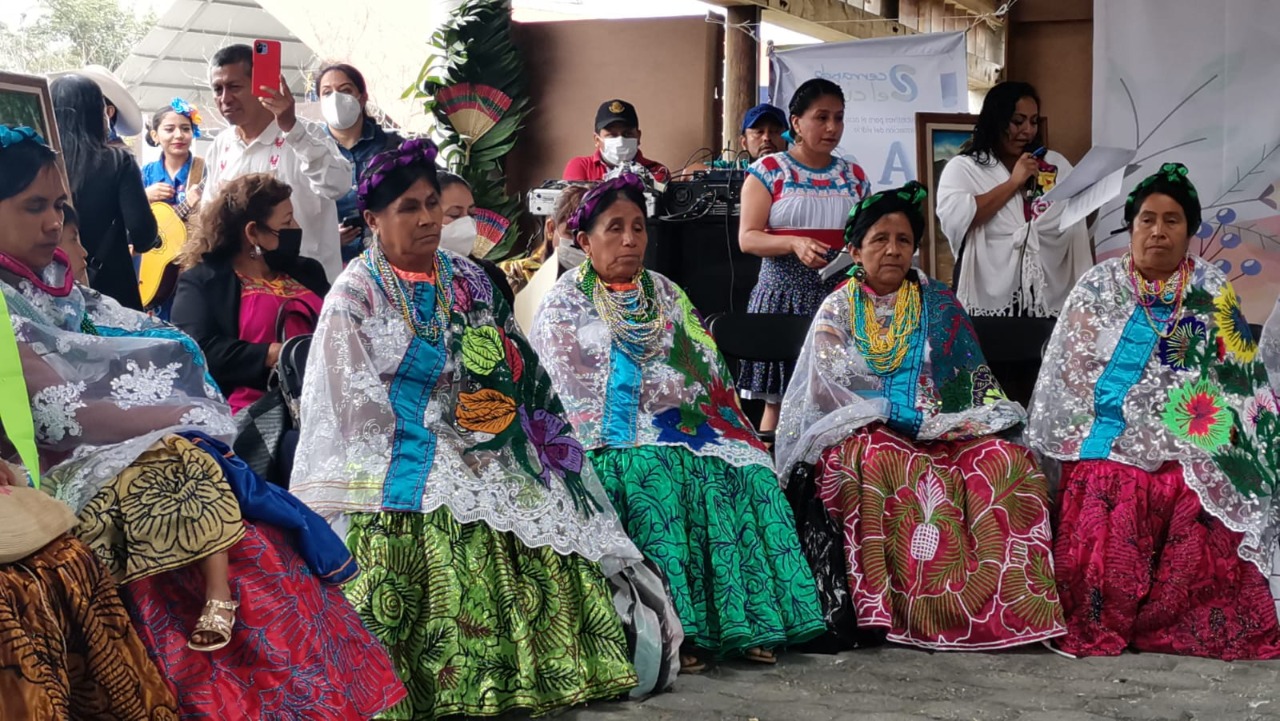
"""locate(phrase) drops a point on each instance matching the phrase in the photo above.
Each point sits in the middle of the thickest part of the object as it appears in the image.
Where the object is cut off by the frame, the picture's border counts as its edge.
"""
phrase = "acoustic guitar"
(158, 273)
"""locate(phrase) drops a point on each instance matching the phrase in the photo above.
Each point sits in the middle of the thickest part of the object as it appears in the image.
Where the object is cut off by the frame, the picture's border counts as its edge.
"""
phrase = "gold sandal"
(212, 623)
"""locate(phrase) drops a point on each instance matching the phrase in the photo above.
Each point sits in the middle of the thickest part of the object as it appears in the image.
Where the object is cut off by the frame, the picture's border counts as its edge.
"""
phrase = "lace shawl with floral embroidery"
(473, 424)
(685, 395)
(834, 391)
(1111, 387)
(100, 399)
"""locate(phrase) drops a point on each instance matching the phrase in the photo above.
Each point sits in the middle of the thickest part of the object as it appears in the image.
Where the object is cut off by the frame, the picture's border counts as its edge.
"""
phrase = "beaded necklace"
(1169, 293)
(393, 288)
(884, 348)
(634, 316)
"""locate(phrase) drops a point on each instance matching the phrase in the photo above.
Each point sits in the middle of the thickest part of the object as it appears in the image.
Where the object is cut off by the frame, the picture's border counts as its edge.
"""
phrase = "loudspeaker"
(702, 257)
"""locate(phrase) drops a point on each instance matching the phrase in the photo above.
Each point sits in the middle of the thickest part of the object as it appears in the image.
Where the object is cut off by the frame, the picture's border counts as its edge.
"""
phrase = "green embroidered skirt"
(478, 623)
(726, 540)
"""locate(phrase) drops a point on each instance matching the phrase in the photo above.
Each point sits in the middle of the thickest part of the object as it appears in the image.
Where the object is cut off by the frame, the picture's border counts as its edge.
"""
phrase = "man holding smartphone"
(267, 136)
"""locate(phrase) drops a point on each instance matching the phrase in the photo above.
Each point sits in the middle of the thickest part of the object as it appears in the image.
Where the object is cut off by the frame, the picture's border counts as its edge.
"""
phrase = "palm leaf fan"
(490, 228)
(473, 109)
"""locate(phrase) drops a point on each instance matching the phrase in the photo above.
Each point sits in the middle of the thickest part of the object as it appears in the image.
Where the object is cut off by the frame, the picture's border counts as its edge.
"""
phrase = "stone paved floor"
(897, 684)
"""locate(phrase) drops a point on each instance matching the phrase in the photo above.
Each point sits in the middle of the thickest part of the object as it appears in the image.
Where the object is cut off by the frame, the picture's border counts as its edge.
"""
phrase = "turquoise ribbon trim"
(900, 387)
(622, 400)
(413, 449)
(1123, 371)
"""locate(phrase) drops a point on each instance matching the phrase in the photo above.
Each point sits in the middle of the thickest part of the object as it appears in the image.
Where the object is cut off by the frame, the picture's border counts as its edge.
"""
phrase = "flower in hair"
(411, 152)
(189, 111)
(18, 134)
(588, 208)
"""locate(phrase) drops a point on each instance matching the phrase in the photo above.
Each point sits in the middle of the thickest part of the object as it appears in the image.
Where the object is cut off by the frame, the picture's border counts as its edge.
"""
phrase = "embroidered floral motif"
(140, 387)
(54, 411)
(1233, 329)
(1176, 350)
(1196, 412)
(200, 416)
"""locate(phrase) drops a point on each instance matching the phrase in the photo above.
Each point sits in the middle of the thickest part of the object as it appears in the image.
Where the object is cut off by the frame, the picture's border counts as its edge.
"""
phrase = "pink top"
(260, 303)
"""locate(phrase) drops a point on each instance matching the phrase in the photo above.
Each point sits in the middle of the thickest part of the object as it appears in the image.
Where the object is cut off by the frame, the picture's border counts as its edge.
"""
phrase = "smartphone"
(355, 220)
(266, 66)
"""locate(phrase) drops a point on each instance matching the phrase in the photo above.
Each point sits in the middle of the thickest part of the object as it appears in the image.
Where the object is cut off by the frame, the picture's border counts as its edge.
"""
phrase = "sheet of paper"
(1097, 165)
(1079, 207)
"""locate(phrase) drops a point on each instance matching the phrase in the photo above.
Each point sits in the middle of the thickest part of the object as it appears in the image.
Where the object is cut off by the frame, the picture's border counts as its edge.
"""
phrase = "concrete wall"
(1051, 46)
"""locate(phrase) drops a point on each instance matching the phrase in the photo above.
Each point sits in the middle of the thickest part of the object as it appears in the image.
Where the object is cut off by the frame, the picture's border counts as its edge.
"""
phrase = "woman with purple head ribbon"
(431, 438)
(650, 397)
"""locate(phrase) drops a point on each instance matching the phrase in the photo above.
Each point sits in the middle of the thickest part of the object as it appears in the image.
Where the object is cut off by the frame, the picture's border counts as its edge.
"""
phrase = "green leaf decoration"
(957, 393)
(1235, 378)
(1199, 300)
(474, 46)
(482, 350)
(1245, 473)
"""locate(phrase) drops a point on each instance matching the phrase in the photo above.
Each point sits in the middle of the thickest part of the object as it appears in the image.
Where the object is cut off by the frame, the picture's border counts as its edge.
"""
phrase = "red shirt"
(593, 168)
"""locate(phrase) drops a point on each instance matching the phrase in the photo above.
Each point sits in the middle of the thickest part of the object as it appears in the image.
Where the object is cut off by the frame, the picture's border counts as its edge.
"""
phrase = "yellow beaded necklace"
(884, 348)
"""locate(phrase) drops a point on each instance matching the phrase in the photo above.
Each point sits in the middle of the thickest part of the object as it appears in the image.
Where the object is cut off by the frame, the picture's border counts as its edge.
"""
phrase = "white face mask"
(459, 236)
(616, 151)
(568, 255)
(340, 110)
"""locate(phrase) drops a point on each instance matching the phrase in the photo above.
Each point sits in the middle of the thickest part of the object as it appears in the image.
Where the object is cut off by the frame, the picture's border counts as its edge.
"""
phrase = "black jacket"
(114, 212)
(206, 307)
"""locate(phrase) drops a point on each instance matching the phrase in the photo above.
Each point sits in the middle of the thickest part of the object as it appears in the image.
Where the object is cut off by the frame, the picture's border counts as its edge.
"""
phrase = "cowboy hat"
(128, 114)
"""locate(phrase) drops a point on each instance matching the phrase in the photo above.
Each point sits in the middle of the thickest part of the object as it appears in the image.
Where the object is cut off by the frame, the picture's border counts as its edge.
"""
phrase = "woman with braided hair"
(1154, 399)
(433, 439)
(920, 520)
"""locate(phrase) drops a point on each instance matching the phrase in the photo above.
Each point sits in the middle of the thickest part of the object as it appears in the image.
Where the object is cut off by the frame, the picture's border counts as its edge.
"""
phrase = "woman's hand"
(348, 233)
(273, 354)
(159, 192)
(9, 475)
(193, 196)
(810, 252)
(1026, 168)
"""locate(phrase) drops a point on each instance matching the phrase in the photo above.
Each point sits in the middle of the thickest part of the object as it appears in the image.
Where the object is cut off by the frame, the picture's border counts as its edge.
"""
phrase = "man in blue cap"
(762, 129)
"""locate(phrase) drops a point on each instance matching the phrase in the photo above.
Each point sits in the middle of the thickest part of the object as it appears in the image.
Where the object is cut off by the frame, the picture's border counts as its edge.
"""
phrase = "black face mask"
(287, 249)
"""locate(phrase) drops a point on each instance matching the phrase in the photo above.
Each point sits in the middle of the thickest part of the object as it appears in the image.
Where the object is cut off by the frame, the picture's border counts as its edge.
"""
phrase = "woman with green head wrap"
(1154, 400)
(919, 521)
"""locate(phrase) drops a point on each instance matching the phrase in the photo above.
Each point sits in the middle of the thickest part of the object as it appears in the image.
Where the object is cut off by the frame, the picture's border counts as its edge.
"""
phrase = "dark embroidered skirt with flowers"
(1140, 564)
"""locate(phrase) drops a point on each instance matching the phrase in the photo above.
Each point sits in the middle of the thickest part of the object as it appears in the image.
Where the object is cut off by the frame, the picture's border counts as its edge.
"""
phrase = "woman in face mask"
(242, 275)
(344, 99)
(459, 231)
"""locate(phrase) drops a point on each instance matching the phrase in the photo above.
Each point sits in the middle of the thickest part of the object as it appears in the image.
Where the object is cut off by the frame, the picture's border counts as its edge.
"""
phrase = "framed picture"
(24, 100)
(939, 138)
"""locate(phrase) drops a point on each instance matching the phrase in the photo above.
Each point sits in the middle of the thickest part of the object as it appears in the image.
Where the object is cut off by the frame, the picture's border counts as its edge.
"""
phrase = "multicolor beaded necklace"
(634, 315)
(393, 288)
(1169, 293)
(884, 348)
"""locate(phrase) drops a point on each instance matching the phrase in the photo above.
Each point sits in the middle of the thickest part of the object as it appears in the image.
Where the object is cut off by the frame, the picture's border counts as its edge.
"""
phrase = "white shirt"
(308, 160)
(991, 278)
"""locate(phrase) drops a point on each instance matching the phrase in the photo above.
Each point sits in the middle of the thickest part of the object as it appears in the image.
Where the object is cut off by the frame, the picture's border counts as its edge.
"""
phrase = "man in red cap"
(617, 139)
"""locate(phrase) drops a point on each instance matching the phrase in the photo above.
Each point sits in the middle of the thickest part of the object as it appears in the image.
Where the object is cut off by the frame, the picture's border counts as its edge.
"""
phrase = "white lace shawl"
(989, 273)
(1063, 410)
(574, 344)
(834, 392)
(348, 427)
(99, 402)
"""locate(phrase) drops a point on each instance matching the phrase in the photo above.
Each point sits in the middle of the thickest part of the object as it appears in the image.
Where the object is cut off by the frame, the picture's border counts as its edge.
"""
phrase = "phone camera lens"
(262, 48)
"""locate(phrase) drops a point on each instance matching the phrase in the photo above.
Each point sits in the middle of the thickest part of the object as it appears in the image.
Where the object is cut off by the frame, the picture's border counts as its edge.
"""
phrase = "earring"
(859, 273)
(255, 252)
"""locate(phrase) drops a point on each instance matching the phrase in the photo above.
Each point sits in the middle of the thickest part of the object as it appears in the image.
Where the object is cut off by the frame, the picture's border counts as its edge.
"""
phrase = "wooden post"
(742, 67)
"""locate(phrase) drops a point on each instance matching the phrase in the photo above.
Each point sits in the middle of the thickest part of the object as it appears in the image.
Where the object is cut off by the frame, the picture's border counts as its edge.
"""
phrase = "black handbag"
(262, 427)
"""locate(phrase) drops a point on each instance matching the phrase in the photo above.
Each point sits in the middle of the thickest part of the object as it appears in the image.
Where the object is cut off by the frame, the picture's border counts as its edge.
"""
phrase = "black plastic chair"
(762, 337)
(1256, 330)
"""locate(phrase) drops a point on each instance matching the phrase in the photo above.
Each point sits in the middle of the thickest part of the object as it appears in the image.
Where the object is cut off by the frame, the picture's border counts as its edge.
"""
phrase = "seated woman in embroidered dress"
(889, 434)
(650, 397)
(432, 437)
(242, 278)
(131, 432)
(1152, 397)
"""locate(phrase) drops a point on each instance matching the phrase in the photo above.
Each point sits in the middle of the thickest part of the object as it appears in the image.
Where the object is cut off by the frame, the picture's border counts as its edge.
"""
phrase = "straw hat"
(128, 114)
(29, 520)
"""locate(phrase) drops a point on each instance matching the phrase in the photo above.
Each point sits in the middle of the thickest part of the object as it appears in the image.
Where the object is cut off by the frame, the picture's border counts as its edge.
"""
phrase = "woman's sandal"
(760, 655)
(691, 664)
(213, 622)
